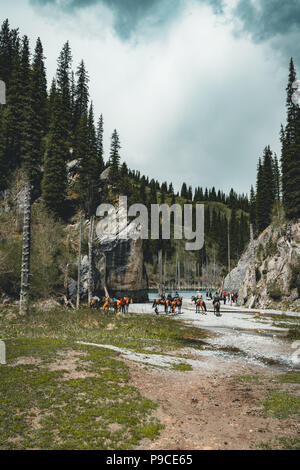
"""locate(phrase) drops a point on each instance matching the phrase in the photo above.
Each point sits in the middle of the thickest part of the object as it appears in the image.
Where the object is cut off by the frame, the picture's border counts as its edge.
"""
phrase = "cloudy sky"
(195, 88)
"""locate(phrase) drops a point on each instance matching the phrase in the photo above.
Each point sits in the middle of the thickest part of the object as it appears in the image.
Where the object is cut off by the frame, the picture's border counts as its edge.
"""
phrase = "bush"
(260, 252)
(257, 274)
(48, 255)
(295, 278)
(274, 291)
(10, 266)
(271, 248)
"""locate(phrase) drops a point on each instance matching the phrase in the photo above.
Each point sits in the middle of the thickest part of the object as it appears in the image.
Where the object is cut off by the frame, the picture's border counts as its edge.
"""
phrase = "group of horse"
(108, 303)
(200, 305)
(170, 305)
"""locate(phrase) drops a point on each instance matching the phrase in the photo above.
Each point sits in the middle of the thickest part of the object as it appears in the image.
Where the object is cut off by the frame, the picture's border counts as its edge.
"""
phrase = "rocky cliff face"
(277, 255)
(118, 264)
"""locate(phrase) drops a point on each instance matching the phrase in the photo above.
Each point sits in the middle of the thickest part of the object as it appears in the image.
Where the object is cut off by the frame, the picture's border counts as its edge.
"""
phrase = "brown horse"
(176, 303)
(157, 302)
(217, 306)
(109, 303)
(128, 300)
(95, 302)
(200, 304)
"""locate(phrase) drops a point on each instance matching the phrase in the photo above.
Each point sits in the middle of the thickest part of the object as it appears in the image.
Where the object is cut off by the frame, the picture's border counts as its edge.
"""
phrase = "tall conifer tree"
(290, 157)
(100, 150)
(114, 159)
(54, 184)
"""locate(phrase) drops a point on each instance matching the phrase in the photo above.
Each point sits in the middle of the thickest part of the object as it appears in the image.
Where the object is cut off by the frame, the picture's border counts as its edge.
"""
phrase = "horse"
(128, 300)
(176, 303)
(95, 302)
(110, 303)
(157, 302)
(217, 305)
(168, 305)
(200, 304)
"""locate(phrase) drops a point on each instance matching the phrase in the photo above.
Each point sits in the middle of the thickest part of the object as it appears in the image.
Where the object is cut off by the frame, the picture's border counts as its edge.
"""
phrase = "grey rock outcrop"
(105, 174)
(118, 263)
(277, 250)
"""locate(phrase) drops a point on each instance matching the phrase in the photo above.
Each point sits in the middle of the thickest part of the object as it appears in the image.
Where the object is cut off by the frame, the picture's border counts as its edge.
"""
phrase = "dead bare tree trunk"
(229, 269)
(91, 248)
(26, 246)
(104, 281)
(253, 275)
(160, 272)
(79, 264)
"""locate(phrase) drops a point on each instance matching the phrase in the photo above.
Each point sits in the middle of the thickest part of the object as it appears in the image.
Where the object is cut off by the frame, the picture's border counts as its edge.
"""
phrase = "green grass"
(282, 444)
(292, 324)
(294, 333)
(249, 379)
(135, 332)
(48, 409)
(281, 405)
(182, 367)
(93, 405)
(291, 378)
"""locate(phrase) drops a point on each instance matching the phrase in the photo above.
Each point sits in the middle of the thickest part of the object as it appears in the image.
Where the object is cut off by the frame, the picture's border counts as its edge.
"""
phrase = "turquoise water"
(185, 294)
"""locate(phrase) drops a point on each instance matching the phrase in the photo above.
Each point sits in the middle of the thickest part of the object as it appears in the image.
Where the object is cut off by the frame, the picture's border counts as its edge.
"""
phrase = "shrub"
(260, 252)
(273, 290)
(10, 266)
(257, 274)
(48, 256)
(295, 278)
(271, 248)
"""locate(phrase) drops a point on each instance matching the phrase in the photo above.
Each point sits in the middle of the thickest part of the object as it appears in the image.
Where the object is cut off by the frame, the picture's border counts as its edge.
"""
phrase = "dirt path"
(209, 412)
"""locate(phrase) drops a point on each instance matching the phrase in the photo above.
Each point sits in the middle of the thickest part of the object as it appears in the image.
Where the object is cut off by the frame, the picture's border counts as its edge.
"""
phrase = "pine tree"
(114, 159)
(260, 222)
(124, 170)
(223, 241)
(276, 173)
(38, 87)
(35, 121)
(13, 115)
(54, 183)
(269, 184)
(290, 157)
(100, 150)
(184, 191)
(63, 86)
(9, 48)
(52, 98)
(265, 190)
(252, 208)
(81, 94)
(88, 164)
(233, 233)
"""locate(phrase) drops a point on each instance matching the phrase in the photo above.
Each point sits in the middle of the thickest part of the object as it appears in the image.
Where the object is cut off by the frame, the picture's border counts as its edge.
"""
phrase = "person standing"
(122, 304)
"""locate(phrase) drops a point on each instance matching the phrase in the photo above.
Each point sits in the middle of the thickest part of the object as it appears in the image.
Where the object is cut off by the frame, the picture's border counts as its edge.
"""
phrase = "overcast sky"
(195, 88)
